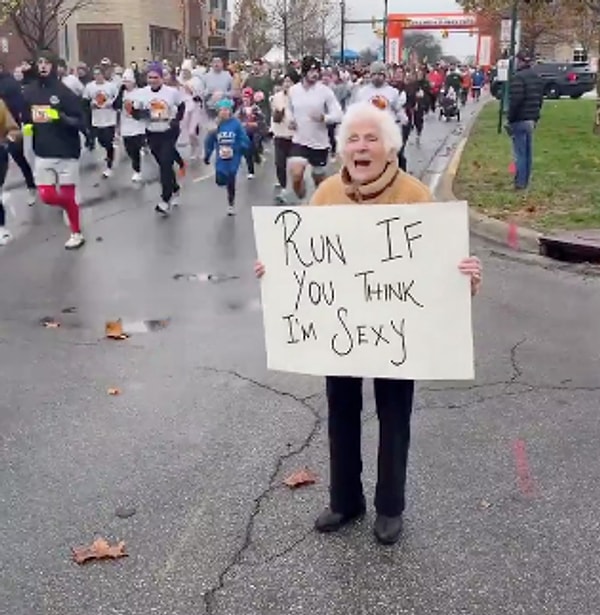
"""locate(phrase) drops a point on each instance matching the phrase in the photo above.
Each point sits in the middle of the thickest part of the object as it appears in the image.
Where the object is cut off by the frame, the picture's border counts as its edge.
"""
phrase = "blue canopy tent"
(349, 55)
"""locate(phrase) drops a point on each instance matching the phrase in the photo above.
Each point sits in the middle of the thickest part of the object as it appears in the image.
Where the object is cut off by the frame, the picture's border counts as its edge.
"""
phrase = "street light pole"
(505, 102)
(385, 32)
(285, 32)
(343, 30)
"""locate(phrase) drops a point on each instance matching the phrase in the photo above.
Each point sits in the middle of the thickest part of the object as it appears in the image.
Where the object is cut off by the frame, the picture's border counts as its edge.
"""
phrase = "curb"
(491, 229)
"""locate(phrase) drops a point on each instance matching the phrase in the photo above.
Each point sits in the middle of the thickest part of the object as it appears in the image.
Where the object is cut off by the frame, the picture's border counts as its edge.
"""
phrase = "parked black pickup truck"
(572, 79)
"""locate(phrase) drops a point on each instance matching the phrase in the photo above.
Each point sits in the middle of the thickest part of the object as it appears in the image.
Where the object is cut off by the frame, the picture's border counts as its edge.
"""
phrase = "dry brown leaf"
(114, 330)
(113, 391)
(99, 549)
(300, 478)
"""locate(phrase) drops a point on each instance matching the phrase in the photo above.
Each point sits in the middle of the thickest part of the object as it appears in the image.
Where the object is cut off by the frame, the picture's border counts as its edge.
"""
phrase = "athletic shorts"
(316, 158)
(56, 171)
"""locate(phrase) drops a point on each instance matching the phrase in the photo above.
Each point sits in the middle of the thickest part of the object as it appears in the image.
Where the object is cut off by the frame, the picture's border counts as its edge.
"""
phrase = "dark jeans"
(522, 140)
(282, 153)
(162, 146)
(393, 400)
(133, 147)
(16, 151)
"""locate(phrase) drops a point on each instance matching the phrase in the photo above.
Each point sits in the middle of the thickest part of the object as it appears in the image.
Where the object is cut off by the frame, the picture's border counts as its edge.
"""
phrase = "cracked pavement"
(202, 435)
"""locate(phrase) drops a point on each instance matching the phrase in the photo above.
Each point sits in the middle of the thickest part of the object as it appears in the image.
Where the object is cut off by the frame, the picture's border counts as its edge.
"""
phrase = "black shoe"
(329, 521)
(388, 529)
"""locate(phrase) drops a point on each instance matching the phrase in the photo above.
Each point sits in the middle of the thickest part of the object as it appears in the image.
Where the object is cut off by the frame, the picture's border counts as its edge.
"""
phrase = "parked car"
(572, 79)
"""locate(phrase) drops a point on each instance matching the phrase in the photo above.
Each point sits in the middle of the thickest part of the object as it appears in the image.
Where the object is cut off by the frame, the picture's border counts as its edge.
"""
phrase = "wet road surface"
(186, 464)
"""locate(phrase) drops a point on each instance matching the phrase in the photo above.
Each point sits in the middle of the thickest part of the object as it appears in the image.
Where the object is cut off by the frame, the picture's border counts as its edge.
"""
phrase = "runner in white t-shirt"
(101, 96)
(162, 108)
(311, 106)
(133, 131)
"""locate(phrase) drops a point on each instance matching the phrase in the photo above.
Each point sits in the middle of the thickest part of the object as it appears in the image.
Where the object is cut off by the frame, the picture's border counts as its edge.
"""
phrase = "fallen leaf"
(114, 391)
(300, 478)
(114, 330)
(49, 322)
(99, 549)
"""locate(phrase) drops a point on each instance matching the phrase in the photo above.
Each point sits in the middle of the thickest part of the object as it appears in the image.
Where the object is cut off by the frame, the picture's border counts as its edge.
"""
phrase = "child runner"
(230, 141)
(252, 120)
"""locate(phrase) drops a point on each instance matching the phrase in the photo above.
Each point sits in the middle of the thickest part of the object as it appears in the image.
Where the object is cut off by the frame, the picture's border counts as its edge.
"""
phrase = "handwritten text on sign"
(369, 291)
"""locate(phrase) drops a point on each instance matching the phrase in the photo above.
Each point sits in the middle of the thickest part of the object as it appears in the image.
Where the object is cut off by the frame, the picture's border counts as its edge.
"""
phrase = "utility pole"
(504, 102)
(343, 30)
(385, 32)
(285, 32)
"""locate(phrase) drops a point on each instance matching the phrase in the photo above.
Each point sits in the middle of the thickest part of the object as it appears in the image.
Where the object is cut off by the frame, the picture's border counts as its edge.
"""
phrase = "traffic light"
(374, 24)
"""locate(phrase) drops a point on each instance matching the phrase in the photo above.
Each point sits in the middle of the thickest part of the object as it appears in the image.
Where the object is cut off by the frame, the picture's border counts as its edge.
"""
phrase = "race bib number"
(420, 94)
(225, 152)
(40, 114)
(159, 111)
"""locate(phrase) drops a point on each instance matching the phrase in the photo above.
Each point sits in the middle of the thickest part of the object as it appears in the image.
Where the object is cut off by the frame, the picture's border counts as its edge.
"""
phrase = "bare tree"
(305, 26)
(252, 28)
(38, 22)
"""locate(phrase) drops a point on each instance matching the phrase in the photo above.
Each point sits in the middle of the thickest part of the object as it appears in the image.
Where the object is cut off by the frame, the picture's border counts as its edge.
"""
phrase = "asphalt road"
(503, 490)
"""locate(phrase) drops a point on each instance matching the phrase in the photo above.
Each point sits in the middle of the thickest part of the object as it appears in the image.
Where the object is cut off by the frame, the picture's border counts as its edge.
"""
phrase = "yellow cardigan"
(392, 187)
(8, 126)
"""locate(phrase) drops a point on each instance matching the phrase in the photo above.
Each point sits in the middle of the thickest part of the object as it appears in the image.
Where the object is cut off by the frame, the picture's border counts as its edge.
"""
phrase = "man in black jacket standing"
(526, 96)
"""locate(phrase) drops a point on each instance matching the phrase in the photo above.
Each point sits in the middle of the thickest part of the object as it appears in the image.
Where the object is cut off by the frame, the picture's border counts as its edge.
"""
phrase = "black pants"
(3, 172)
(133, 147)
(16, 151)
(106, 138)
(252, 154)
(402, 162)
(393, 400)
(417, 119)
(332, 140)
(162, 146)
(282, 153)
(231, 190)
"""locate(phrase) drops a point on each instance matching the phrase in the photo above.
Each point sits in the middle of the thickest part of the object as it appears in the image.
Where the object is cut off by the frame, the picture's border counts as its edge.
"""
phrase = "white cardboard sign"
(371, 291)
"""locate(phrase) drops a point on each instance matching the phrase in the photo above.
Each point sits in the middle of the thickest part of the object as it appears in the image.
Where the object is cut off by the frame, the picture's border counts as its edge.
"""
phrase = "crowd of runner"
(196, 112)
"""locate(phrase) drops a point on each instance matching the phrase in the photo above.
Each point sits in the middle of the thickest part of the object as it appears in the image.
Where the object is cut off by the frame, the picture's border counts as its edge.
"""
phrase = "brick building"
(137, 30)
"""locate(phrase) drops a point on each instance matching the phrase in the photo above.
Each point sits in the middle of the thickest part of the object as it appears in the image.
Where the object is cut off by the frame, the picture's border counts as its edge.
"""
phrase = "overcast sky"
(360, 36)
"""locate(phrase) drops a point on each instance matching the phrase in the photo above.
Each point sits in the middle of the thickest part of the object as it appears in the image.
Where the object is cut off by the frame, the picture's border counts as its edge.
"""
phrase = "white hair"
(387, 127)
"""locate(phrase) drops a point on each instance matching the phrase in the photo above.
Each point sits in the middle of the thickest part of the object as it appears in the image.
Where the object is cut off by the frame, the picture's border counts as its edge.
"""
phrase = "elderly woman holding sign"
(369, 142)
